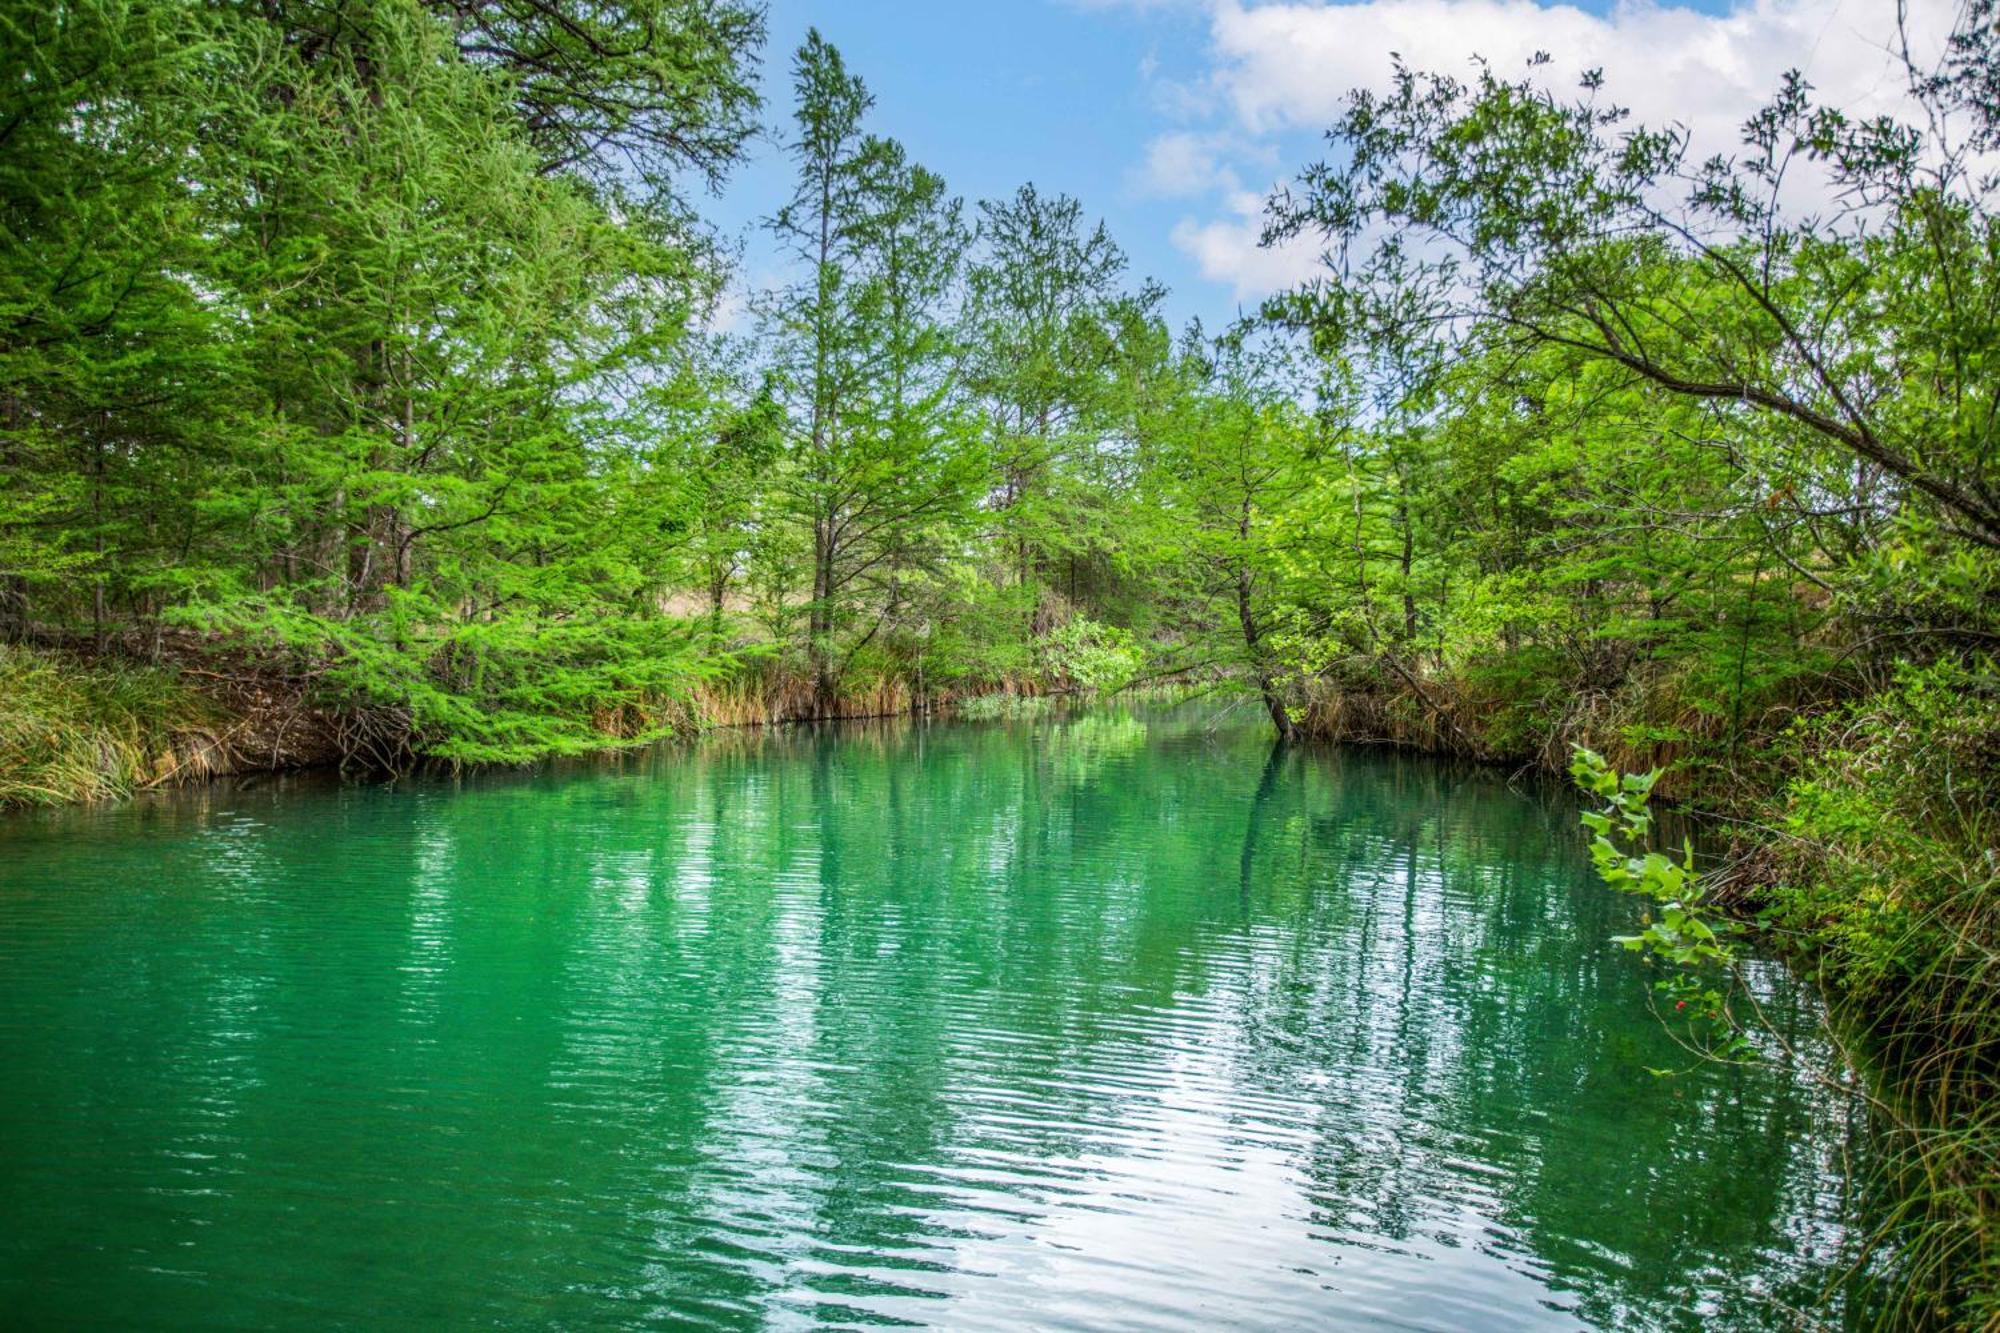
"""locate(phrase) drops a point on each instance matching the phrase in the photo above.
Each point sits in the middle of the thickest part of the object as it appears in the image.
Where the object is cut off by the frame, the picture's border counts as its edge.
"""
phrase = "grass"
(1884, 877)
(757, 698)
(76, 730)
(768, 694)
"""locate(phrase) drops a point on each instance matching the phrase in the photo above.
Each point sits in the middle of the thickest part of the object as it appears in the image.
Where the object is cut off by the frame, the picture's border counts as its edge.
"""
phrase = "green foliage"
(1890, 825)
(1884, 879)
(1091, 656)
(505, 688)
(1046, 325)
(1688, 937)
(354, 373)
(645, 86)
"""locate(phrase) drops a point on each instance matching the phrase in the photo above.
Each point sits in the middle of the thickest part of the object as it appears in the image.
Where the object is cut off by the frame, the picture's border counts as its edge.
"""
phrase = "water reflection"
(1117, 1019)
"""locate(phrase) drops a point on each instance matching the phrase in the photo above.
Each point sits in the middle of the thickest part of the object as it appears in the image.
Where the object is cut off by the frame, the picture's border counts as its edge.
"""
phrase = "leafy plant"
(1683, 933)
(1090, 655)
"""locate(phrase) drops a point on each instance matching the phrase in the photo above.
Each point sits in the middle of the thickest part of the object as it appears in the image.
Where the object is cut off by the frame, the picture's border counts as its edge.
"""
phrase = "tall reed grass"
(76, 730)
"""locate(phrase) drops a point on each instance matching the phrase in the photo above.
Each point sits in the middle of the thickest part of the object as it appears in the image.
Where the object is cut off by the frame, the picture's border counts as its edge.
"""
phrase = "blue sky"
(1172, 119)
(991, 95)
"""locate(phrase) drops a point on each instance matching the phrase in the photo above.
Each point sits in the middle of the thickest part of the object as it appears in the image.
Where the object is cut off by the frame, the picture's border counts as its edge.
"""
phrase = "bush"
(1090, 655)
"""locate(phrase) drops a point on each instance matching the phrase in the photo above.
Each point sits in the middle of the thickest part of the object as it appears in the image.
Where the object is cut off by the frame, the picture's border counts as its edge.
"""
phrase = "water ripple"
(1111, 1022)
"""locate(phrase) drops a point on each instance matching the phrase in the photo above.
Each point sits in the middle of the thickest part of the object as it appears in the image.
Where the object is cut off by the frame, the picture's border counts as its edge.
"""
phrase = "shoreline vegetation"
(365, 399)
(77, 728)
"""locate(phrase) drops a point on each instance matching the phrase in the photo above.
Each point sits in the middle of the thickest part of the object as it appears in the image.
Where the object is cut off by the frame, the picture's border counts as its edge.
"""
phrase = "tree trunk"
(1253, 639)
(819, 625)
(718, 592)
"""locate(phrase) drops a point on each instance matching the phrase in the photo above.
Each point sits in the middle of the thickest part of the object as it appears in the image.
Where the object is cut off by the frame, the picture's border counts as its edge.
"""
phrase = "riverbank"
(1862, 819)
(82, 726)
(89, 728)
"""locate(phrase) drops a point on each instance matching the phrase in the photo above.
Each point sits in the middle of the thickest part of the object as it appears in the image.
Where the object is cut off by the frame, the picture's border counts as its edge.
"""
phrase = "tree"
(309, 340)
(878, 455)
(644, 88)
(1231, 449)
(1549, 222)
(1044, 311)
(109, 369)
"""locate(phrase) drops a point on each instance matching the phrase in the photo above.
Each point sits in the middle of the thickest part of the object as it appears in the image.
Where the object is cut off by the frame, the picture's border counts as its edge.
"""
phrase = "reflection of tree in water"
(817, 1014)
(1429, 972)
(1444, 961)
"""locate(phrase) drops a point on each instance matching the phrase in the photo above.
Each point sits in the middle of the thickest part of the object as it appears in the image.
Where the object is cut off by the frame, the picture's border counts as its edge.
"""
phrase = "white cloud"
(1186, 163)
(1292, 64)
(1279, 70)
(1226, 251)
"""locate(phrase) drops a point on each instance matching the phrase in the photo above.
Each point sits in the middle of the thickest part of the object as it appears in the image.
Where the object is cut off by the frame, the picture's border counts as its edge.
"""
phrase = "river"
(1122, 1018)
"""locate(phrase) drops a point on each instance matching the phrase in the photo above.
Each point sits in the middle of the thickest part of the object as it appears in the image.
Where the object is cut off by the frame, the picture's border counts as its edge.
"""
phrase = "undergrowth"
(1884, 878)
(72, 730)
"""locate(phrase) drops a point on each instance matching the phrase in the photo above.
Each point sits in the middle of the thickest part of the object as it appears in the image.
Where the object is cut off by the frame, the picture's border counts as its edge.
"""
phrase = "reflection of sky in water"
(1113, 1021)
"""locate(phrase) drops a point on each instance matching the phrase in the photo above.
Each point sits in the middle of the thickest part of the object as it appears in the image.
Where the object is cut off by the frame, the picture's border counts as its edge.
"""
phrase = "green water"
(1124, 1020)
